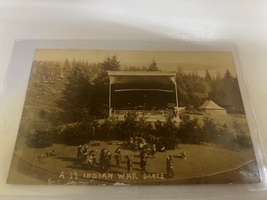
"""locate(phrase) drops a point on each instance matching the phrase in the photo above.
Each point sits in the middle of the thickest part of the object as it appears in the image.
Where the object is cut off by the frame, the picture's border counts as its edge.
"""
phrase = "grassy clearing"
(225, 119)
(201, 161)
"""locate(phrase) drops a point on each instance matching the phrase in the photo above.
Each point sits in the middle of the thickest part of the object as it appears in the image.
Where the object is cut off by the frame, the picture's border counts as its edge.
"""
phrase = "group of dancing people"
(143, 163)
(88, 157)
(139, 143)
(105, 159)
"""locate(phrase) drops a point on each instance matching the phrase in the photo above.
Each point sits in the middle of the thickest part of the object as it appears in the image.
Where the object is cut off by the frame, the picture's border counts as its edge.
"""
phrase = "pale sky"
(166, 60)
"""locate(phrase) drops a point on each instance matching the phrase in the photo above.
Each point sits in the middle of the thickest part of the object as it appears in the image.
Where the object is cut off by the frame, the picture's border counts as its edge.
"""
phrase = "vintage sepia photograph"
(128, 117)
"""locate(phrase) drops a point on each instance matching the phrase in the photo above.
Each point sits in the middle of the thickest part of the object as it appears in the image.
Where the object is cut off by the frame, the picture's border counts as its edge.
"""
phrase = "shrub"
(167, 129)
(78, 133)
(39, 139)
(39, 133)
(190, 132)
(130, 126)
(108, 130)
(126, 128)
(211, 132)
(169, 142)
(217, 134)
(243, 141)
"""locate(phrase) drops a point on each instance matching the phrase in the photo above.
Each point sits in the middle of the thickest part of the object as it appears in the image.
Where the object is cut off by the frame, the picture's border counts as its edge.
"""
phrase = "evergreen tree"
(228, 78)
(76, 96)
(66, 68)
(225, 92)
(73, 62)
(111, 64)
(191, 89)
(153, 66)
(208, 77)
(101, 86)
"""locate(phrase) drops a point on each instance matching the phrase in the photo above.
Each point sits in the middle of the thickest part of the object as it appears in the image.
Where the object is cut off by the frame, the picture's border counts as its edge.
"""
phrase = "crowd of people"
(88, 157)
(139, 143)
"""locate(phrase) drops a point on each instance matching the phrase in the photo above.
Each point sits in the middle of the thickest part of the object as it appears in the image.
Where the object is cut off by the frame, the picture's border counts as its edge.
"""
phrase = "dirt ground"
(201, 161)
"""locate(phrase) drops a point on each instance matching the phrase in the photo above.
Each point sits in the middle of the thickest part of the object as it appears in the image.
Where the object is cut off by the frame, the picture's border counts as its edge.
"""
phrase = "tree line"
(76, 92)
(193, 90)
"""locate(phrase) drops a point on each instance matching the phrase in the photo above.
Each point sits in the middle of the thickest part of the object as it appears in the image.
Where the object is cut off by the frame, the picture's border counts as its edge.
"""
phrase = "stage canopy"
(142, 90)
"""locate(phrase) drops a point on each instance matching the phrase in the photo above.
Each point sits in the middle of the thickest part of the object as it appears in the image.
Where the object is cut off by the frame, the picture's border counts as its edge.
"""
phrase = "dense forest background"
(77, 88)
(76, 92)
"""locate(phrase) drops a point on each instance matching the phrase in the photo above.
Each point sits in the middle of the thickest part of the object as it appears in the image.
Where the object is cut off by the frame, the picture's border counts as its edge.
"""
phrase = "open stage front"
(151, 94)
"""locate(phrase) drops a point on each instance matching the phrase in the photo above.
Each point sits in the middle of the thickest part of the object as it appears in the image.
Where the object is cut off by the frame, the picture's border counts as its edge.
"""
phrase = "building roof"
(146, 80)
(142, 79)
(210, 105)
(140, 73)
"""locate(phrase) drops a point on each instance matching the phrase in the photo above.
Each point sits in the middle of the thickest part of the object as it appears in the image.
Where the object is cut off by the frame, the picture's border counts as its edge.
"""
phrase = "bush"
(210, 129)
(79, 133)
(39, 139)
(169, 142)
(125, 129)
(166, 129)
(190, 132)
(218, 134)
(39, 133)
(108, 130)
(243, 141)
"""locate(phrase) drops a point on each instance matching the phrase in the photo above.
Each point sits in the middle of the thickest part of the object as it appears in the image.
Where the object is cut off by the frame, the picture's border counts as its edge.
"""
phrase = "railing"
(145, 113)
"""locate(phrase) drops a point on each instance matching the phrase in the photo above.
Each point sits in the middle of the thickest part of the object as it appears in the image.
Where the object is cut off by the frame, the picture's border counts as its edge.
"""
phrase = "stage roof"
(155, 78)
(140, 73)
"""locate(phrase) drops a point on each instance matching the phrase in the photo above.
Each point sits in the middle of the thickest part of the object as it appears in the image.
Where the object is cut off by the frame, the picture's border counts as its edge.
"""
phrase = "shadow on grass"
(68, 159)
(124, 146)
(73, 163)
(137, 163)
(78, 164)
